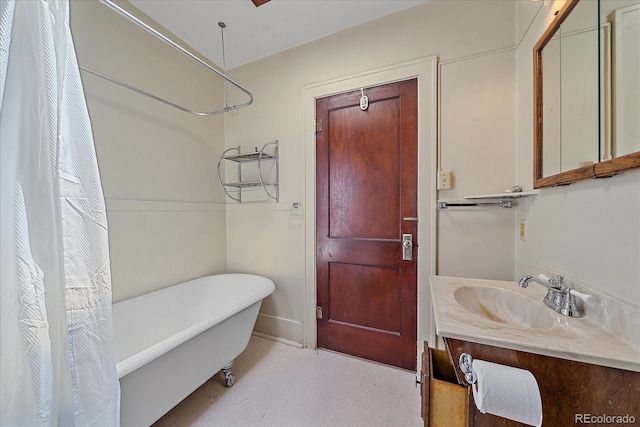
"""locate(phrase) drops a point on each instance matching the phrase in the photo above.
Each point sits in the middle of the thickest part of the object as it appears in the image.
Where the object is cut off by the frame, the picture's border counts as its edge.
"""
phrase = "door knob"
(407, 247)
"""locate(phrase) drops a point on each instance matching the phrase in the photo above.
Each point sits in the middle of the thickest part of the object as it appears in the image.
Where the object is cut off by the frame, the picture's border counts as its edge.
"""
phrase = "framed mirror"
(623, 16)
(587, 92)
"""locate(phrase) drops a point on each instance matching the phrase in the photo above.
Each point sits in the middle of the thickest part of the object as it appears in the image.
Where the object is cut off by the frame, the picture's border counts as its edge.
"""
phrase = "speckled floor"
(281, 386)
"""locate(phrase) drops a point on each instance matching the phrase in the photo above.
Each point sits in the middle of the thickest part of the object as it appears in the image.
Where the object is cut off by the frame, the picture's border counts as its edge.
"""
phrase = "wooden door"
(366, 199)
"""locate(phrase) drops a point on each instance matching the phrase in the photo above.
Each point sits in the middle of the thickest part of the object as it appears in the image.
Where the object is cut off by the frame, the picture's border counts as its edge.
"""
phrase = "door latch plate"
(407, 247)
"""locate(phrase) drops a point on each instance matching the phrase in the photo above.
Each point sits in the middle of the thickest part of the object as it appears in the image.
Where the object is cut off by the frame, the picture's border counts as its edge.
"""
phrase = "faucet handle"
(557, 282)
(584, 297)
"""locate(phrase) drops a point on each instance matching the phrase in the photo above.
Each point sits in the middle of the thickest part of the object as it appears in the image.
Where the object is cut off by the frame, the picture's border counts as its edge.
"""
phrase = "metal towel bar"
(500, 203)
(171, 43)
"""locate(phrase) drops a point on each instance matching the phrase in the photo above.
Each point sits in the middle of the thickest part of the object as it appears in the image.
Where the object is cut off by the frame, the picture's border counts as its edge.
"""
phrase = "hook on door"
(364, 100)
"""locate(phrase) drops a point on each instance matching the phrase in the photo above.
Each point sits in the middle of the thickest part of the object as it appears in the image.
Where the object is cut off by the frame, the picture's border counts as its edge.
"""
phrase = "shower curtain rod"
(165, 39)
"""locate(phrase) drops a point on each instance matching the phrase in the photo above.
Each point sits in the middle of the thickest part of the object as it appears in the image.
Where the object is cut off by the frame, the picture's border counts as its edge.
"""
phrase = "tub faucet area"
(559, 297)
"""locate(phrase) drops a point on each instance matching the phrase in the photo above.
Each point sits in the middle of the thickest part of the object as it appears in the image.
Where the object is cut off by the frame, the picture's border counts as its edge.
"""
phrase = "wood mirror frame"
(601, 169)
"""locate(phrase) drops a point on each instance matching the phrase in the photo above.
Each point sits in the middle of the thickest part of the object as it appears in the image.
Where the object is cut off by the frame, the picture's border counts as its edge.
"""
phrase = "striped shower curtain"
(57, 358)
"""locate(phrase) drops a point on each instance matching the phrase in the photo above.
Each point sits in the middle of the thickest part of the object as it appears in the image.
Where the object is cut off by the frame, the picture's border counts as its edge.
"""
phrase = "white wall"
(265, 240)
(589, 230)
(164, 207)
(477, 130)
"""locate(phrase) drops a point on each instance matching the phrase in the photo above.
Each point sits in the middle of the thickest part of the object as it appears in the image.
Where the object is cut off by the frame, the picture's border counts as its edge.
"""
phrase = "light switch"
(444, 180)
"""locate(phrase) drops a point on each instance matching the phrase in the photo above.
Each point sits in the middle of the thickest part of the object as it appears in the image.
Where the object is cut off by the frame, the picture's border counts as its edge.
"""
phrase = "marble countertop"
(579, 339)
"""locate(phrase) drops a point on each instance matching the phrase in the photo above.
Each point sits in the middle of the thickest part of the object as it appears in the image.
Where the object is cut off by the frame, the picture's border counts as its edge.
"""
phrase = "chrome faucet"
(559, 297)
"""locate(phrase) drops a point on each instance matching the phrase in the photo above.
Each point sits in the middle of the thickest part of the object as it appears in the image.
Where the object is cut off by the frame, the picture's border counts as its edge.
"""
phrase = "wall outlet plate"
(444, 180)
(522, 229)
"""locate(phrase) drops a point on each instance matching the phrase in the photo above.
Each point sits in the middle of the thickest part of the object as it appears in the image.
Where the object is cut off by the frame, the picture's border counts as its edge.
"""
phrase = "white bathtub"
(169, 342)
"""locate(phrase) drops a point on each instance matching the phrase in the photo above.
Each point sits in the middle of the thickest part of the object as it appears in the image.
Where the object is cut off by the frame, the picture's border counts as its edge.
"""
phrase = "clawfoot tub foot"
(229, 379)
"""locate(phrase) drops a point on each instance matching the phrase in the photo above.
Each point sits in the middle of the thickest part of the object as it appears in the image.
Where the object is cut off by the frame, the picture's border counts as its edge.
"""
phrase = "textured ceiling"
(253, 32)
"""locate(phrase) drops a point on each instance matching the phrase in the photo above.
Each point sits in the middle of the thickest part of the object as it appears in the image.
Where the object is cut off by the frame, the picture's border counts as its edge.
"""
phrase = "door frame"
(425, 70)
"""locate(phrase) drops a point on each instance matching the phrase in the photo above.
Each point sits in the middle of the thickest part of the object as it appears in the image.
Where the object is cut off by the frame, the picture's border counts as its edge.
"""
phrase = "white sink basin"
(502, 314)
(505, 307)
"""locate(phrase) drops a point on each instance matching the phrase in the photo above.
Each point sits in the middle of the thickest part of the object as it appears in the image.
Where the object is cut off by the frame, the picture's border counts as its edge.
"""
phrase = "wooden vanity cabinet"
(568, 389)
(445, 403)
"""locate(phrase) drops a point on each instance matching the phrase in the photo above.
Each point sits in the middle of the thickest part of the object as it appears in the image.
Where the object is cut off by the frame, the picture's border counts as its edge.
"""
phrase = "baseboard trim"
(279, 329)
(277, 339)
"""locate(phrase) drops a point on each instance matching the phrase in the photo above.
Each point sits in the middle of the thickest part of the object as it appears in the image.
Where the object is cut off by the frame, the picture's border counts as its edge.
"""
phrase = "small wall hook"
(296, 210)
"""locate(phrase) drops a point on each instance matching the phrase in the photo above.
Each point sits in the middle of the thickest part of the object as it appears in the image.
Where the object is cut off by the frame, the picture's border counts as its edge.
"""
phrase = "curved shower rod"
(171, 43)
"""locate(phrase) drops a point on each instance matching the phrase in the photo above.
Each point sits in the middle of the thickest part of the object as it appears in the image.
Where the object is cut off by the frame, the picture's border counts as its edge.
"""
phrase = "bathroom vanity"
(569, 390)
(582, 369)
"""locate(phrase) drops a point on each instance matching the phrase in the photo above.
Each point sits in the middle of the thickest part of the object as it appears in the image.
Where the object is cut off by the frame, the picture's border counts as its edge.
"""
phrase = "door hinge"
(318, 312)
(318, 125)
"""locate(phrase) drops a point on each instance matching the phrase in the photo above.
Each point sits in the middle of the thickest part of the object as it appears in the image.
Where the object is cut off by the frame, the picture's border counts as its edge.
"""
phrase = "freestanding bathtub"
(169, 342)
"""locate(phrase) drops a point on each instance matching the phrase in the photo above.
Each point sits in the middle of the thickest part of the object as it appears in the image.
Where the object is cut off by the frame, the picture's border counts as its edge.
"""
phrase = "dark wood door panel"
(369, 344)
(364, 178)
(366, 183)
(365, 296)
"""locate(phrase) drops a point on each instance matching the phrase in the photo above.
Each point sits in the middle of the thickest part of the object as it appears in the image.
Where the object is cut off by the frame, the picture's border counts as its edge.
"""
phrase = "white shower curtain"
(57, 359)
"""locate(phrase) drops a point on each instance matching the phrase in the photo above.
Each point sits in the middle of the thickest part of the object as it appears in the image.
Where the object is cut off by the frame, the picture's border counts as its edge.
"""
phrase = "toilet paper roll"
(507, 392)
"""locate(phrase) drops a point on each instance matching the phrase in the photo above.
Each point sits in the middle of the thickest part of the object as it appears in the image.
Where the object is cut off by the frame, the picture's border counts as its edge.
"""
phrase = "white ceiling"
(257, 32)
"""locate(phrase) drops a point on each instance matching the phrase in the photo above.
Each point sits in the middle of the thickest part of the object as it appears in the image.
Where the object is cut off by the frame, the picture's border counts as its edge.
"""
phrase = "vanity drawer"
(445, 403)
